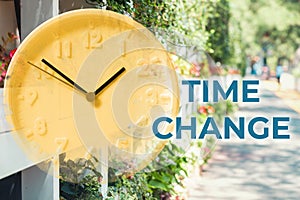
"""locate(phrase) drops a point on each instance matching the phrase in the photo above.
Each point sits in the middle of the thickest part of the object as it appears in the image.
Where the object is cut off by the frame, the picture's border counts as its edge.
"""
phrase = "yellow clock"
(94, 79)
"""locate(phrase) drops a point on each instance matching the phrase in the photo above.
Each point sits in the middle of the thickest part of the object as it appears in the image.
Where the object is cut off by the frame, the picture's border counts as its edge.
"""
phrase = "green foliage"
(190, 23)
(218, 26)
(216, 110)
(157, 181)
(239, 54)
(223, 108)
(152, 14)
(87, 188)
(131, 187)
(229, 31)
(284, 42)
(267, 28)
(185, 68)
(296, 72)
(173, 168)
(208, 148)
(79, 179)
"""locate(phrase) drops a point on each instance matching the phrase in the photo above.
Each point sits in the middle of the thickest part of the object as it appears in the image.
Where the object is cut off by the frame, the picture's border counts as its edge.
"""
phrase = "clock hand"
(110, 80)
(75, 85)
(64, 82)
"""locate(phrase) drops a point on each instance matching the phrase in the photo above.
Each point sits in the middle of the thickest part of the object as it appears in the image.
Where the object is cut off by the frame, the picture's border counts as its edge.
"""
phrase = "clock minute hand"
(109, 81)
(64, 82)
(75, 85)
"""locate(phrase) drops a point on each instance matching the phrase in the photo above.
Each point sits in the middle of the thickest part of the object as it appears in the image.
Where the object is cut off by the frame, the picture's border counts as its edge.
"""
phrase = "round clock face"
(94, 79)
(121, 116)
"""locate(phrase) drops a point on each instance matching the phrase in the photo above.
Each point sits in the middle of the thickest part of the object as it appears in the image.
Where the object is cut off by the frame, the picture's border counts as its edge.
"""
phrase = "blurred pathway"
(251, 169)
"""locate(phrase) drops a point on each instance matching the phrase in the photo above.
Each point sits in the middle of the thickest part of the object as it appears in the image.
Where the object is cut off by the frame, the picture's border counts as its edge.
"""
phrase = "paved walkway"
(251, 169)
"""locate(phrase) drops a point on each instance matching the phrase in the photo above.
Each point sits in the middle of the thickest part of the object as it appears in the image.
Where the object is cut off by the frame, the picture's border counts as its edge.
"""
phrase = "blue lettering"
(240, 132)
(276, 127)
(192, 127)
(205, 91)
(219, 90)
(214, 130)
(246, 90)
(155, 127)
(251, 128)
(191, 84)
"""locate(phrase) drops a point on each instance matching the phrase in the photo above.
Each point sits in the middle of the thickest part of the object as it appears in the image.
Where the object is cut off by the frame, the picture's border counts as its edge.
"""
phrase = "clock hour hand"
(109, 81)
(75, 85)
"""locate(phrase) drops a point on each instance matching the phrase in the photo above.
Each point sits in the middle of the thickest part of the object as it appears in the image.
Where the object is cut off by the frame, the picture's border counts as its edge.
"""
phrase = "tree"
(199, 24)
(218, 25)
(267, 28)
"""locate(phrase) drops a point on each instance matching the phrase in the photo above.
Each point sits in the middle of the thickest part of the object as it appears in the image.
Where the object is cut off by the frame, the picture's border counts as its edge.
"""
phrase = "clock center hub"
(90, 96)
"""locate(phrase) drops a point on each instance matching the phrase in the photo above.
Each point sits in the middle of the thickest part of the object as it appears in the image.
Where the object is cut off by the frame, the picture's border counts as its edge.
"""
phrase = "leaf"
(62, 158)
(69, 188)
(71, 164)
(166, 178)
(185, 171)
(158, 185)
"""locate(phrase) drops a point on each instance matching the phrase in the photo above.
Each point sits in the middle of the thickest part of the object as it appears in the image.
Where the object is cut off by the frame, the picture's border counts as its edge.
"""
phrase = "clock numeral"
(156, 60)
(21, 97)
(91, 24)
(156, 96)
(29, 134)
(149, 71)
(165, 98)
(94, 38)
(30, 97)
(50, 71)
(151, 95)
(62, 144)
(65, 49)
(141, 62)
(39, 74)
(143, 121)
(123, 143)
(40, 127)
(123, 49)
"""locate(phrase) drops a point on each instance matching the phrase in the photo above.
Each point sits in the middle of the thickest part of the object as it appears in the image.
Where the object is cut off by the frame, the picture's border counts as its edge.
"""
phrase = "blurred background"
(212, 39)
